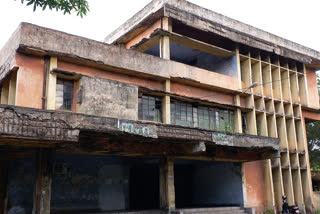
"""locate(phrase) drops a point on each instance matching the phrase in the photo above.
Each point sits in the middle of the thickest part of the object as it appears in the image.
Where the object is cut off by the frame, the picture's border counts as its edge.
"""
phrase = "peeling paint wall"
(255, 184)
(111, 75)
(29, 81)
(312, 89)
(101, 97)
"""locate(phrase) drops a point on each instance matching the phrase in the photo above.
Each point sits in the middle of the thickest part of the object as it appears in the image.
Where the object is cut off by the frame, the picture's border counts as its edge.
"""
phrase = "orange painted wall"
(311, 115)
(201, 93)
(255, 184)
(312, 89)
(29, 81)
(144, 34)
(89, 71)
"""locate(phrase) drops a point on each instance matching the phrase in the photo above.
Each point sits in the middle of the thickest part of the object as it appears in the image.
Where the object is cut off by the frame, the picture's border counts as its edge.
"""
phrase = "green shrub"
(271, 212)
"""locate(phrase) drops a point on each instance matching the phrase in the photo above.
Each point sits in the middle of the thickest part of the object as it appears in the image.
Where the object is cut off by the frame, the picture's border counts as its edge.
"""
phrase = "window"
(149, 108)
(64, 94)
(193, 115)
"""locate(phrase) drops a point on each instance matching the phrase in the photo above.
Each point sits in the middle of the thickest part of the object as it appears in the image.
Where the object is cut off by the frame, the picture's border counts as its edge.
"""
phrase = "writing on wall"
(138, 129)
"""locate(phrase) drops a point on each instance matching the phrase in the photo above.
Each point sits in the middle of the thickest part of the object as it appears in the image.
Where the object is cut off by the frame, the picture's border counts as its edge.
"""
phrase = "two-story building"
(180, 110)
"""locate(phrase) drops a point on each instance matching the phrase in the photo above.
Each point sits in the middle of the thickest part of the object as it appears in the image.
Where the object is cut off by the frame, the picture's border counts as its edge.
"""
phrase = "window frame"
(74, 93)
(157, 111)
(204, 116)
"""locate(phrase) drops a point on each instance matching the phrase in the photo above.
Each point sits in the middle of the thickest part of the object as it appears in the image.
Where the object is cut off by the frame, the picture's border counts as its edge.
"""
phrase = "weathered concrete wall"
(144, 34)
(201, 93)
(7, 54)
(255, 185)
(312, 89)
(45, 126)
(111, 75)
(40, 40)
(29, 81)
(207, 20)
(106, 98)
(316, 200)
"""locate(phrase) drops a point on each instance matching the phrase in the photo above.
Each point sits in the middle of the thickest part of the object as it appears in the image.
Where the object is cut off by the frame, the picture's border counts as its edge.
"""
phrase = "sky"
(295, 20)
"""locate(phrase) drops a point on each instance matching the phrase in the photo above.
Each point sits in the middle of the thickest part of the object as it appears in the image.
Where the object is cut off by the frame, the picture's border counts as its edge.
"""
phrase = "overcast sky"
(295, 20)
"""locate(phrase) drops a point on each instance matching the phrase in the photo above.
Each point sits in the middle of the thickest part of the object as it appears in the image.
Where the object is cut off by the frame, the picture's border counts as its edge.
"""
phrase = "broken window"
(64, 94)
(193, 115)
(149, 108)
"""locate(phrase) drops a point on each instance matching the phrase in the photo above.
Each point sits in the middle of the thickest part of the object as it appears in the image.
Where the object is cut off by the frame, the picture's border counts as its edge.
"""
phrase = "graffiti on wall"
(145, 130)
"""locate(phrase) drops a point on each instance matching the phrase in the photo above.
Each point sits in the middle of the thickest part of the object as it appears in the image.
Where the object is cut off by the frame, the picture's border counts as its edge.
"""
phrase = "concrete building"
(180, 110)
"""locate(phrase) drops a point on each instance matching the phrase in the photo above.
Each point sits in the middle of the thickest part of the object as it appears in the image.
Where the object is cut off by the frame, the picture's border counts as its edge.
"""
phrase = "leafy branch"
(81, 7)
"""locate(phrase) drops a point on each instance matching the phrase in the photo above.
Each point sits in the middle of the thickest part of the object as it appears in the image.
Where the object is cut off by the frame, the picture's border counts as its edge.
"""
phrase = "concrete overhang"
(33, 128)
(36, 40)
(210, 21)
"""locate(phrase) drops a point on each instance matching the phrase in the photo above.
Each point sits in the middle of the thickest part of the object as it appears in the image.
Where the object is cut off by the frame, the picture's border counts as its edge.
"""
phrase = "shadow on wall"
(200, 59)
(209, 184)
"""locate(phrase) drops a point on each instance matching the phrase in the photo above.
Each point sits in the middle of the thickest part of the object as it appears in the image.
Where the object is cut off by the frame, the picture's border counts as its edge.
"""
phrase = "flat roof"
(207, 20)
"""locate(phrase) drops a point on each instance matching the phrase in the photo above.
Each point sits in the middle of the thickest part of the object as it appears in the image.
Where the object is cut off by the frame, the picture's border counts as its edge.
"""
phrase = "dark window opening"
(64, 94)
(149, 108)
(197, 58)
(244, 122)
(193, 115)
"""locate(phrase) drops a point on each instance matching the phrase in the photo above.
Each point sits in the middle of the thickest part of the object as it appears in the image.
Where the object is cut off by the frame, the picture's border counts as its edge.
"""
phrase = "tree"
(313, 135)
(81, 7)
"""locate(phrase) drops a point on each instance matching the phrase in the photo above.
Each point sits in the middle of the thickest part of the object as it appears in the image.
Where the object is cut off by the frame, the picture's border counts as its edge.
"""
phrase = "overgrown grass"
(271, 212)
(317, 212)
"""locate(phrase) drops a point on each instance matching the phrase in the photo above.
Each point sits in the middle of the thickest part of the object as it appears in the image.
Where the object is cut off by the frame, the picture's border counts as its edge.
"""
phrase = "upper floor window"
(64, 94)
(149, 108)
(193, 115)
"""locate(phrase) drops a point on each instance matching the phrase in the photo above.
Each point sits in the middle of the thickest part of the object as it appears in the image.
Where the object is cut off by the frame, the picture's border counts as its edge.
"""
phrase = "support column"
(167, 192)
(5, 92)
(165, 54)
(4, 168)
(51, 85)
(166, 114)
(42, 190)
(12, 88)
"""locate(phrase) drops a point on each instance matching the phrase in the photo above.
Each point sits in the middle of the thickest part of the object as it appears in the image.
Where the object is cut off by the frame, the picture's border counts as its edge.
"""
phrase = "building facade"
(179, 110)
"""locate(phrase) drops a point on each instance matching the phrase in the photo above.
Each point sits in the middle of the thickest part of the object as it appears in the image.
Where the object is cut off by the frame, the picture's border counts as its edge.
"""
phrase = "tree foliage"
(81, 7)
(313, 135)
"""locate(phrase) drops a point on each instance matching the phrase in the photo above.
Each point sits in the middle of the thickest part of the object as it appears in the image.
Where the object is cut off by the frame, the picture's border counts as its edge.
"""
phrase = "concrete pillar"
(165, 54)
(167, 192)
(42, 190)
(166, 115)
(4, 167)
(5, 92)
(51, 85)
(12, 88)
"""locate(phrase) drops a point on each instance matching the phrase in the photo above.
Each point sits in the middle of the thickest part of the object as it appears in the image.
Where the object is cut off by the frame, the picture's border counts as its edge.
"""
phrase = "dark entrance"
(207, 184)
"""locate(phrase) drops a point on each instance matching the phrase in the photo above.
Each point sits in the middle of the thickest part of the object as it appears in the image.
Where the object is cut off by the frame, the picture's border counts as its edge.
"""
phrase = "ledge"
(22, 127)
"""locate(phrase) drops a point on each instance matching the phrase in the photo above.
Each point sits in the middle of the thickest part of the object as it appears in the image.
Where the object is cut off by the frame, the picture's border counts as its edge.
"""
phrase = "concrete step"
(216, 210)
